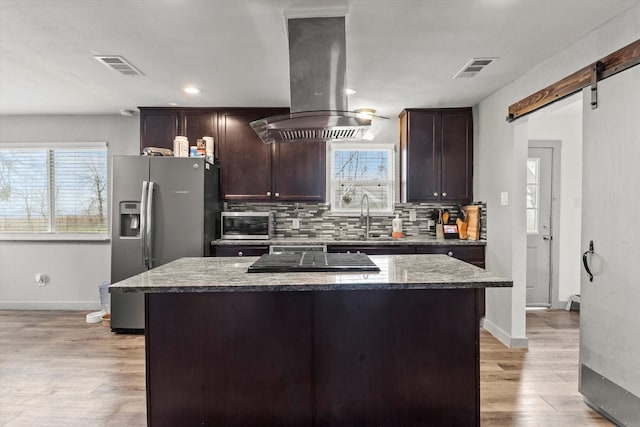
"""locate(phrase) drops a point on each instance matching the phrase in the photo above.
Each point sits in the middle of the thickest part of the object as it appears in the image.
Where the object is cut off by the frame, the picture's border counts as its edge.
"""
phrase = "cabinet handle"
(435, 194)
(240, 253)
(277, 194)
(450, 253)
(268, 193)
(444, 194)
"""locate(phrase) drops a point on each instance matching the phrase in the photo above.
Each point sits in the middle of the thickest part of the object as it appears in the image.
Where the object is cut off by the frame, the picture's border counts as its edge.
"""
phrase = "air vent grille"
(119, 64)
(329, 134)
(473, 67)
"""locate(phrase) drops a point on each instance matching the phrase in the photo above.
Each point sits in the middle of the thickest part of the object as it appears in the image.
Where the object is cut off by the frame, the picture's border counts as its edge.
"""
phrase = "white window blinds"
(59, 190)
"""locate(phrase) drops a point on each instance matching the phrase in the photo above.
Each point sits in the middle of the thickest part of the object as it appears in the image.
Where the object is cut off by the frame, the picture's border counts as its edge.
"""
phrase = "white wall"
(565, 124)
(75, 268)
(500, 153)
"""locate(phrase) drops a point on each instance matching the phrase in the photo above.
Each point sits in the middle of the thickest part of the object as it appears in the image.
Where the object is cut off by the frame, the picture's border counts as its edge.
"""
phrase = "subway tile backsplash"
(316, 219)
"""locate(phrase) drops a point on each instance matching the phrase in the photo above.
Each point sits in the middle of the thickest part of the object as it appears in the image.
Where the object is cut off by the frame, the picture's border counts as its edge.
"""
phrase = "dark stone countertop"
(222, 274)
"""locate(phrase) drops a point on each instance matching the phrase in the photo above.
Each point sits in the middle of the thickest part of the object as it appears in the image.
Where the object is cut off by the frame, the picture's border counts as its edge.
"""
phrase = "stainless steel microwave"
(247, 225)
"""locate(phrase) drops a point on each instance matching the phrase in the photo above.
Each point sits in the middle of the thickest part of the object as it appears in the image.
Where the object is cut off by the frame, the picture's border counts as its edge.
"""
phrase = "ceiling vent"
(473, 67)
(119, 64)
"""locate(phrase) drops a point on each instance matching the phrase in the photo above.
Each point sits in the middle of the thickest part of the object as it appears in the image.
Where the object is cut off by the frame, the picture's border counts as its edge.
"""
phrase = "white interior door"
(539, 168)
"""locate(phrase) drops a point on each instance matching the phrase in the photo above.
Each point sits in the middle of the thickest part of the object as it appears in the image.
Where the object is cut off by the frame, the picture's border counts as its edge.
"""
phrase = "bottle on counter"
(396, 227)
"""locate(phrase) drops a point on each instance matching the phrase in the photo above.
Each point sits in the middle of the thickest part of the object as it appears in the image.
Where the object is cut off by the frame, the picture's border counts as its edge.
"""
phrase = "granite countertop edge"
(397, 272)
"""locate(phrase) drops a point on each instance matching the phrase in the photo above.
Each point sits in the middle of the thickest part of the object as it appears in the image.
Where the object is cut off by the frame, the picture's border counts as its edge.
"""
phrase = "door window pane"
(533, 185)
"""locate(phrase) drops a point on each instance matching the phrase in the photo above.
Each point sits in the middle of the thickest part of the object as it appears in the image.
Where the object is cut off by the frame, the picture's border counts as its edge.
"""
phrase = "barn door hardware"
(596, 74)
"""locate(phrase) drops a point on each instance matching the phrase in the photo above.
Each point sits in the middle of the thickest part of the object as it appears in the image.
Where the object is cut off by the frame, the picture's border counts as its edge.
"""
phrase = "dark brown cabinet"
(437, 155)
(250, 170)
(240, 250)
(159, 126)
(372, 249)
(253, 171)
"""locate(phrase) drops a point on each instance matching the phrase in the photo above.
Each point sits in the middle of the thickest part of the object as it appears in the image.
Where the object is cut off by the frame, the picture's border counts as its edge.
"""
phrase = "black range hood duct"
(317, 73)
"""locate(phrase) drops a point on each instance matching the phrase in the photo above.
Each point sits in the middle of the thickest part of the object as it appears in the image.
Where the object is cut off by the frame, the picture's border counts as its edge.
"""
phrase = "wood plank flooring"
(55, 370)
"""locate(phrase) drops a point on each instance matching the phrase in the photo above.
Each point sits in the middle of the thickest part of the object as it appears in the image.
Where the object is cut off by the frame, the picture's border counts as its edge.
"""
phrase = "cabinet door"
(245, 162)
(467, 253)
(457, 155)
(197, 123)
(420, 156)
(299, 172)
(158, 127)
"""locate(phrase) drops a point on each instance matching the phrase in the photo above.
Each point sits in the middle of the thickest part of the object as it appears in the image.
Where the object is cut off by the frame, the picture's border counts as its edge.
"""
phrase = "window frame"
(53, 235)
(391, 183)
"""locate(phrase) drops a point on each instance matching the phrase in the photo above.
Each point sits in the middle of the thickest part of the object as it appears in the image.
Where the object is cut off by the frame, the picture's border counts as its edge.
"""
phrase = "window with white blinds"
(57, 190)
(362, 169)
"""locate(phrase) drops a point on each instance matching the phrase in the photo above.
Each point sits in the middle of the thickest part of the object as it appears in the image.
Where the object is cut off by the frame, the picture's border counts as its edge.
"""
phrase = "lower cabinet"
(240, 250)
(372, 250)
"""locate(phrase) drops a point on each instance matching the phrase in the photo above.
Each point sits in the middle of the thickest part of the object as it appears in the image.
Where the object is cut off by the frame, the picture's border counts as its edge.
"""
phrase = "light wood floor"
(55, 370)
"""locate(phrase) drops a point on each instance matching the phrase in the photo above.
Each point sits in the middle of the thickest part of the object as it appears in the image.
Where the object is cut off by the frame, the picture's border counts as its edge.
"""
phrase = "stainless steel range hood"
(317, 72)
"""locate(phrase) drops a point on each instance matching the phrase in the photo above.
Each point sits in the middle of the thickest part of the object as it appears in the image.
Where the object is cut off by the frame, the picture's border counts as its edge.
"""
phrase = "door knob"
(547, 238)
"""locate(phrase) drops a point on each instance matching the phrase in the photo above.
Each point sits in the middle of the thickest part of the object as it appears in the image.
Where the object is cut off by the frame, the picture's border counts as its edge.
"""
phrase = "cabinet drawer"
(471, 254)
(241, 250)
(372, 250)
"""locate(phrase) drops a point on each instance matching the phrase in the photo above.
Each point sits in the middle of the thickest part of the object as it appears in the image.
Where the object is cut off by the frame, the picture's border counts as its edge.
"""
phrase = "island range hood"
(317, 74)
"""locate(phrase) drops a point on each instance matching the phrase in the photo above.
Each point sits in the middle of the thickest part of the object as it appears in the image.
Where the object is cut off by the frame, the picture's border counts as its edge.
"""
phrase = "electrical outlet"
(295, 223)
(412, 215)
(504, 198)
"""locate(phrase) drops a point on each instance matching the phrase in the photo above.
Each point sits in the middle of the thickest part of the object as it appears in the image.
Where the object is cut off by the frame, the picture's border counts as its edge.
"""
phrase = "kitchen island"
(228, 348)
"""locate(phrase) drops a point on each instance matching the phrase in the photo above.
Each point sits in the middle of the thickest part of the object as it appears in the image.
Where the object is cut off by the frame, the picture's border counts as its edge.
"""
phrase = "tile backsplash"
(316, 219)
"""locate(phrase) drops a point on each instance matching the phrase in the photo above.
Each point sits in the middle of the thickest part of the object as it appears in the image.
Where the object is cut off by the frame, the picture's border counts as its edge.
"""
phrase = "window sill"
(52, 238)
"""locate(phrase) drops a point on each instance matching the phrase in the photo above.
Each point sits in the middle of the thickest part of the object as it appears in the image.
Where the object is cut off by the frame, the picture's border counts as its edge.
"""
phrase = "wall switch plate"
(295, 223)
(504, 198)
(412, 215)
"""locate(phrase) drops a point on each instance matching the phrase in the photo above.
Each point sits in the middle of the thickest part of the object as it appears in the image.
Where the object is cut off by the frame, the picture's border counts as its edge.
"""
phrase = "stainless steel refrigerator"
(163, 208)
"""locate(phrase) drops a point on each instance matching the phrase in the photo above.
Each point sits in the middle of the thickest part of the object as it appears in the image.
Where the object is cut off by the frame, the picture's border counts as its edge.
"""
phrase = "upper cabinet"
(159, 126)
(253, 171)
(436, 155)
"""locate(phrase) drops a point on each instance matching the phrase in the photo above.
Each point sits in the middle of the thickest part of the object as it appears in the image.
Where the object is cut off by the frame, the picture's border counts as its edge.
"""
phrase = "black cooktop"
(312, 261)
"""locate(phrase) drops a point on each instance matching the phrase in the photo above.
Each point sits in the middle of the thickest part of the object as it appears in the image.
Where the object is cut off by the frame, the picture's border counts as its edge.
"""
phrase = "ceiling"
(401, 53)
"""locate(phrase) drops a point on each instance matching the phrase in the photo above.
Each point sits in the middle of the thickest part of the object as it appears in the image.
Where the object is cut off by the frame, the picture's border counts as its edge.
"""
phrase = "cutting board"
(473, 222)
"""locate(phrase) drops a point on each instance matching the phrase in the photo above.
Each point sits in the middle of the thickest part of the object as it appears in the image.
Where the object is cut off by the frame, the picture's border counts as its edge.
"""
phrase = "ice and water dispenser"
(130, 219)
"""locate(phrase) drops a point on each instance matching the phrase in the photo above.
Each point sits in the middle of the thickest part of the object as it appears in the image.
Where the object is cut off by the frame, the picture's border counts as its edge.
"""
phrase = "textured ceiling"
(400, 53)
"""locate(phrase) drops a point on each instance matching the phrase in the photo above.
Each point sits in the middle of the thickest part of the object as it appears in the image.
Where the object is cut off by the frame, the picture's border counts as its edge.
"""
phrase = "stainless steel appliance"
(163, 208)
(247, 225)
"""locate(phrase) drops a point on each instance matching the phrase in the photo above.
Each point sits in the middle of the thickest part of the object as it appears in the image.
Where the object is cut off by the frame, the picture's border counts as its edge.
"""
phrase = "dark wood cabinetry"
(437, 155)
(159, 126)
(257, 172)
(240, 250)
(372, 249)
(250, 170)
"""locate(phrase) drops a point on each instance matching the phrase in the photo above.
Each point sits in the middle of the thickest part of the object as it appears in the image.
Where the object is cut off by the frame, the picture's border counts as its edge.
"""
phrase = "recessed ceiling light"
(127, 113)
(350, 91)
(192, 90)
(173, 104)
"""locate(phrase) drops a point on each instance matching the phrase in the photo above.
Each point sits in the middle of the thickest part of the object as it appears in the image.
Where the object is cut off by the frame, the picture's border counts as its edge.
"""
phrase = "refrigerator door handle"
(143, 223)
(149, 233)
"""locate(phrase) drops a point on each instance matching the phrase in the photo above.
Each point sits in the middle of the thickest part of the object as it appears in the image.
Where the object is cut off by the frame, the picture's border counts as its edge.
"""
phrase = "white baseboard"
(50, 305)
(504, 337)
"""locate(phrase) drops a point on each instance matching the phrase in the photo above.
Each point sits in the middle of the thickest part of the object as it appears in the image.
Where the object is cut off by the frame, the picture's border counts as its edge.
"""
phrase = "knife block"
(473, 222)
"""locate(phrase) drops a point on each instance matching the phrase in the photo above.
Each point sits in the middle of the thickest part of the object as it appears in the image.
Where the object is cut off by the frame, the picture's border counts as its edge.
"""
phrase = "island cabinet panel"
(229, 359)
(317, 358)
(436, 155)
(396, 358)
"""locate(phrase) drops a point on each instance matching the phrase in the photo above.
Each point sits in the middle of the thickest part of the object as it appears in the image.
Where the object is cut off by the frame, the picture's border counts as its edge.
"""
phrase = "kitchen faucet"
(362, 218)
